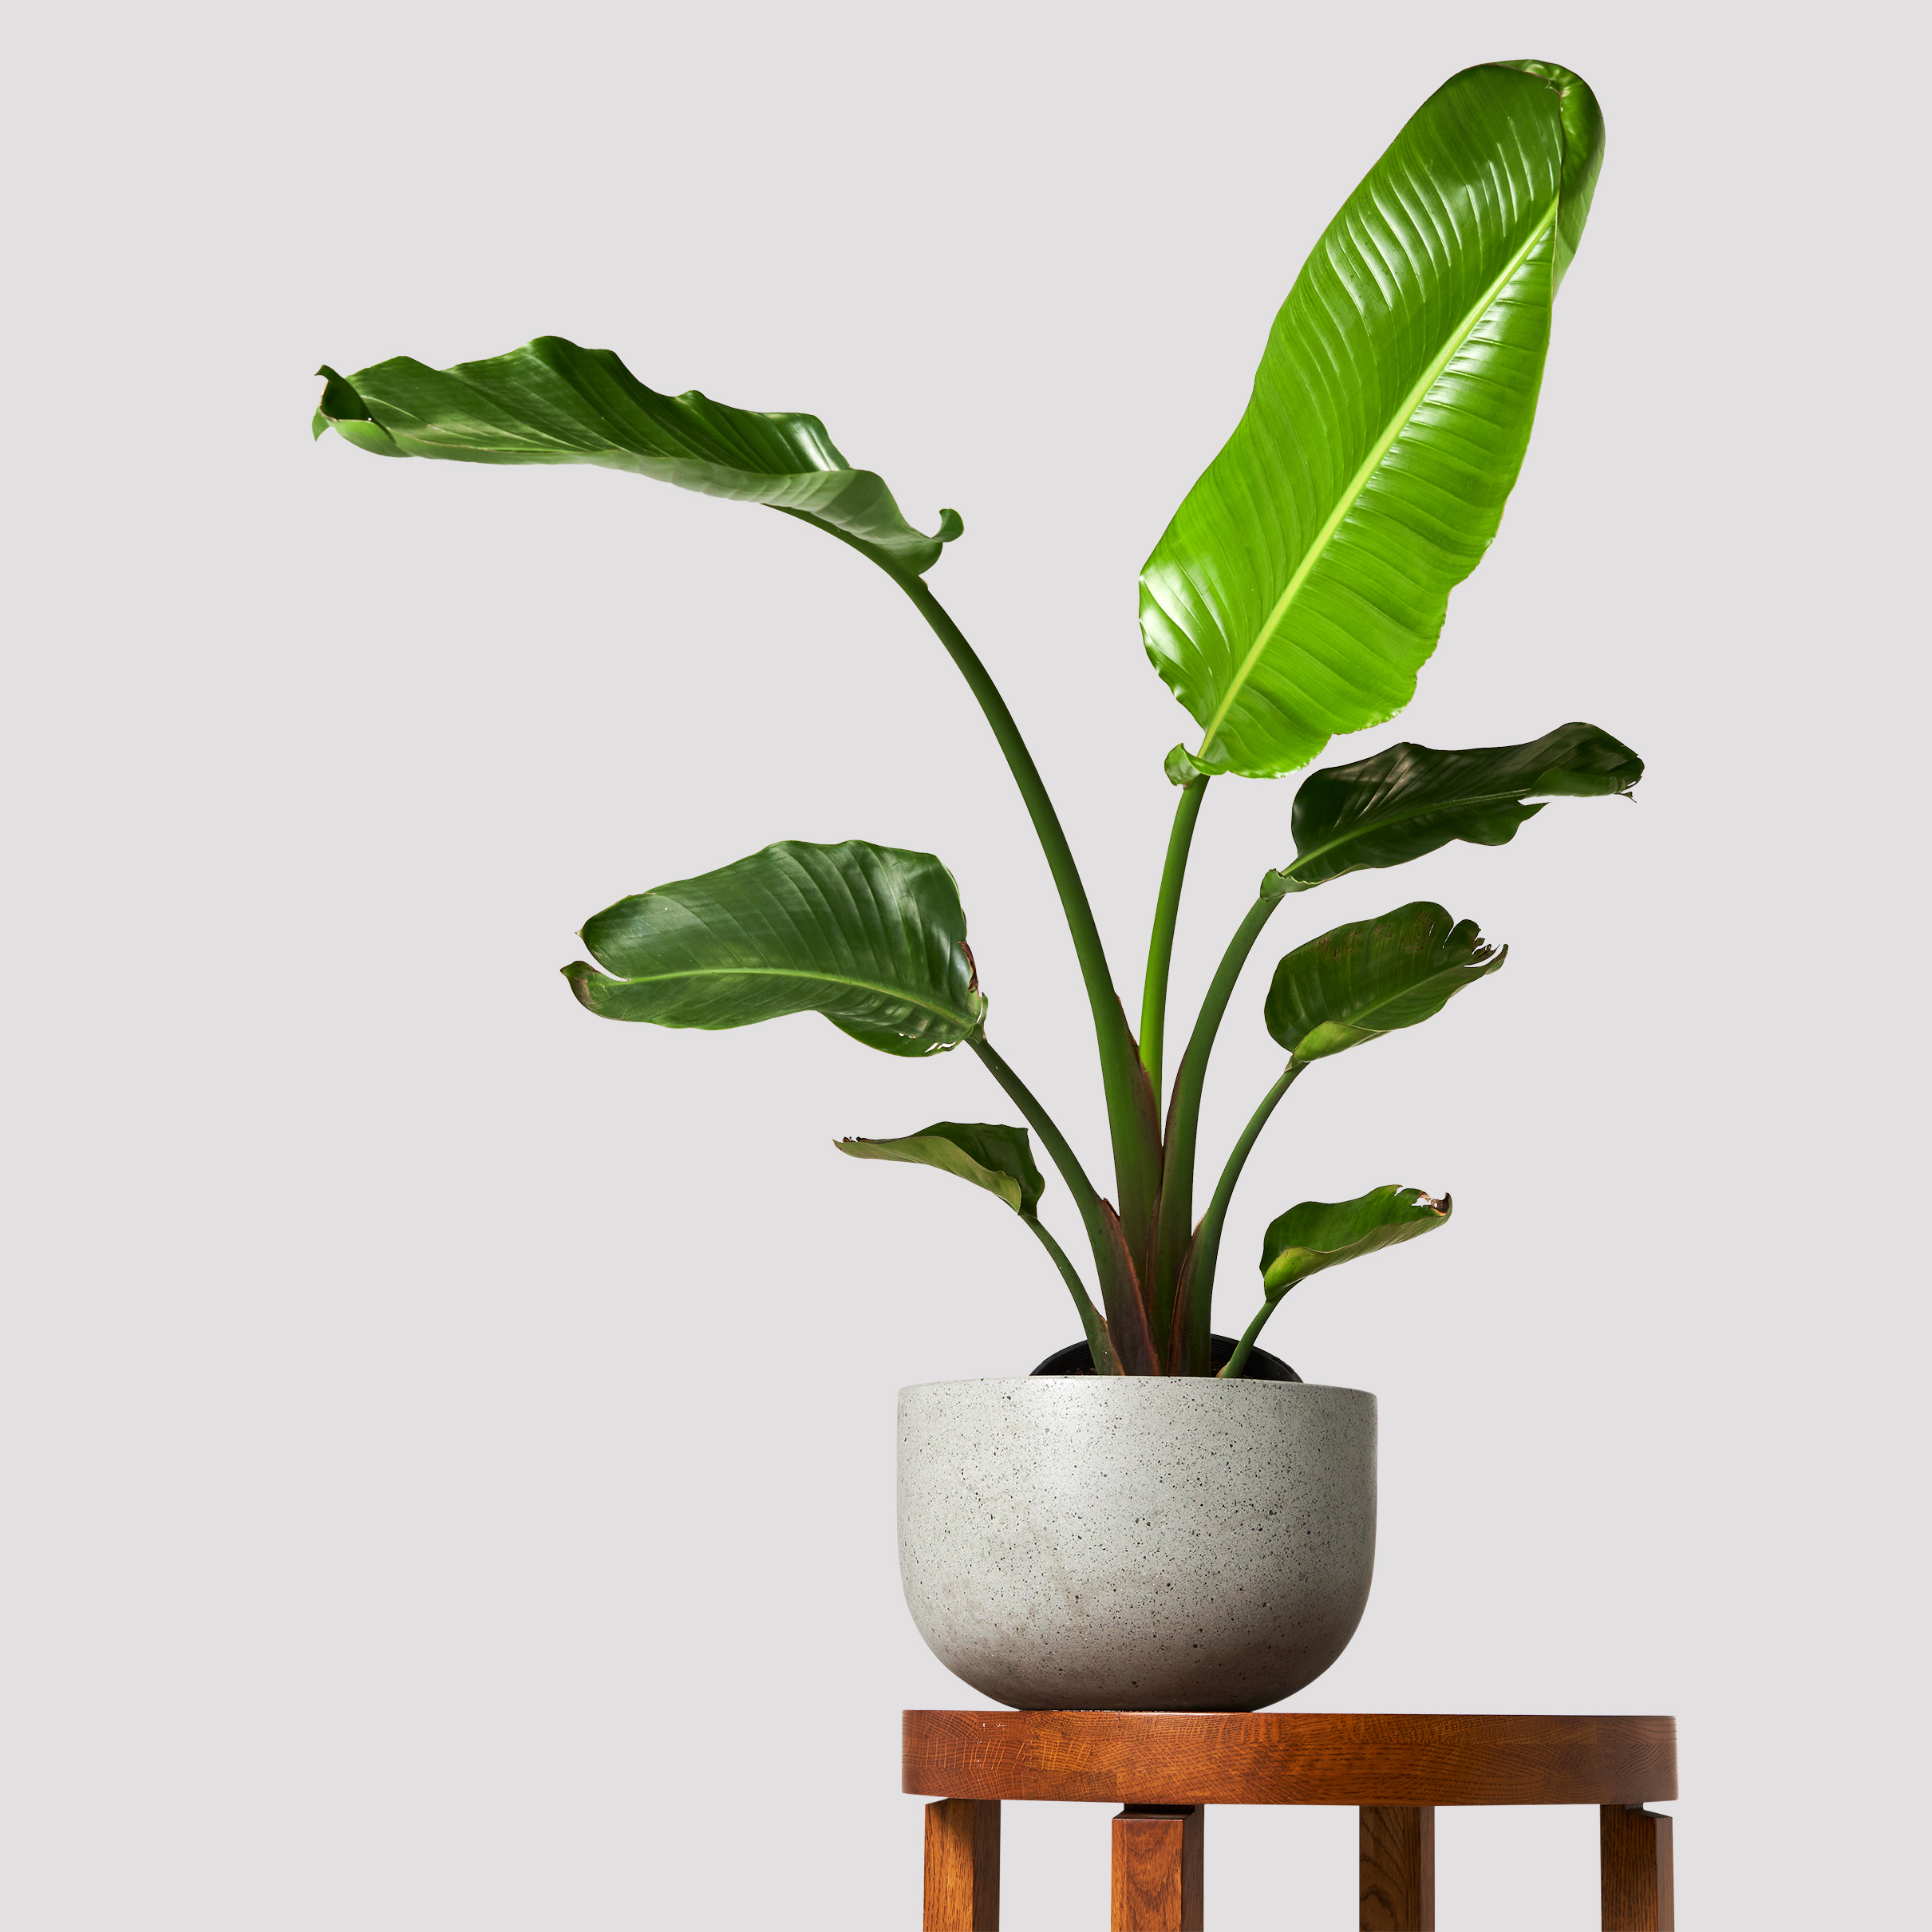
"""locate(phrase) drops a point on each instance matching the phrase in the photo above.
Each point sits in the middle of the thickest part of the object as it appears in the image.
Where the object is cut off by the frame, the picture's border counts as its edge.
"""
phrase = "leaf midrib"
(1357, 1018)
(610, 447)
(968, 1020)
(1366, 826)
(606, 444)
(1329, 1257)
(1397, 421)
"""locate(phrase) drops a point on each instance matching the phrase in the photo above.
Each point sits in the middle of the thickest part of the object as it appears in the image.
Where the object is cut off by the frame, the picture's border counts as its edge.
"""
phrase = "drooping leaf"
(1409, 800)
(1318, 1234)
(998, 1159)
(550, 402)
(1303, 581)
(1366, 979)
(873, 938)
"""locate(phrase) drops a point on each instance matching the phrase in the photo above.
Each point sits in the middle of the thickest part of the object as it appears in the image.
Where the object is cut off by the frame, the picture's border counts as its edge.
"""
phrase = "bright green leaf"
(1409, 800)
(1303, 581)
(1318, 1234)
(998, 1159)
(1367, 979)
(872, 937)
(1182, 768)
(550, 402)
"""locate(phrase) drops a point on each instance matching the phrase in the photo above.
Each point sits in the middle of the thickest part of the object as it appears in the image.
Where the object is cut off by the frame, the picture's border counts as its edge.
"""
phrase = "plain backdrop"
(448, 1440)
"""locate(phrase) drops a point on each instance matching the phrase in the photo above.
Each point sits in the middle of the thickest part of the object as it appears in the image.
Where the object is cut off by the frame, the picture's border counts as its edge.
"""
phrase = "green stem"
(1245, 1347)
(1127, 1321)
(1176, 1223)
(1133, 1117)
(1166, 915)
(1130, 1104)
(1085, 1197)
(1197, 1326)
(1093, 1324)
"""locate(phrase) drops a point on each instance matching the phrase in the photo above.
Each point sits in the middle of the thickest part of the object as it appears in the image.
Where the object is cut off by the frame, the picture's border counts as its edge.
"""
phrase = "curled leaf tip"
(951, 525)
(340, 400)
(1560, 80)
(1182, 768)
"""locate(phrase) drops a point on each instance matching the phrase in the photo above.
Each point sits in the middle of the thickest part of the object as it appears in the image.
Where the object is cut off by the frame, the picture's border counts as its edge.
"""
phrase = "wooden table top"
(1295, 1757)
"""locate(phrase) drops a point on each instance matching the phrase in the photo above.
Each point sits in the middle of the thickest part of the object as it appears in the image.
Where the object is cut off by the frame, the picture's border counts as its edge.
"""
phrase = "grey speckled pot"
(1135, 1543)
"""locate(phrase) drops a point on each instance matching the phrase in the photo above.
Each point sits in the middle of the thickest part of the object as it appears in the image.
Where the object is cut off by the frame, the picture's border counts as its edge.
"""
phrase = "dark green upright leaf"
(1367, 979)
(872, 937)
(998, 1159)
(1303, 581)
(550, 402)
(1318, 1234)
(1409, 800)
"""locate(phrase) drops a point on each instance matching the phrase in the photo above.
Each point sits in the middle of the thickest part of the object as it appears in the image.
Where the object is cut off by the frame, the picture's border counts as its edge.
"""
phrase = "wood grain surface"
(1183, 1758)
(1639, 1875)
(962, 1865)
(1159, 1880)
(1398, 1861)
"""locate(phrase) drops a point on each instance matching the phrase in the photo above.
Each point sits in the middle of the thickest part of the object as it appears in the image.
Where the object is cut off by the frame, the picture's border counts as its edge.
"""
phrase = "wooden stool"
(1164, 1769)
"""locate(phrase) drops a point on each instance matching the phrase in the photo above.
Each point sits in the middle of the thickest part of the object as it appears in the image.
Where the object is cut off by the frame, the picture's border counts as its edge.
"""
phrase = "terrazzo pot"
(1135, 1543)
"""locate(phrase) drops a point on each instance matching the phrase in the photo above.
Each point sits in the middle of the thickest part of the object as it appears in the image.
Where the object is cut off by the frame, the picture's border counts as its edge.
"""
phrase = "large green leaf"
(872, 937)
(998, 1159)
(1369, 979)
(1303, 581)
(1409, 800)
(1318, 1234)
(550, 402)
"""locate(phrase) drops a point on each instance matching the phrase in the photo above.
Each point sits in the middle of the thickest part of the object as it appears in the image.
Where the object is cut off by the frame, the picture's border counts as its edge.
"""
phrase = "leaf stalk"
(1131, 1111)
(1126, 1319)
(1245, 1347)
(1175, 1229)
(1197, 1339)
(1092, 1323)
(1167, 916)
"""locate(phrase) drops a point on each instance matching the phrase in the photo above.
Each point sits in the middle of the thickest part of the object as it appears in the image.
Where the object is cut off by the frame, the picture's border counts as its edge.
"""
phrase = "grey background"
(439, 1430)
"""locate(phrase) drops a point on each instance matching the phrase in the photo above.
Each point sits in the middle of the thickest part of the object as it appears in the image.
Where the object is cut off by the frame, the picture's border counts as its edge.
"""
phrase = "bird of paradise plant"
(1299, 588)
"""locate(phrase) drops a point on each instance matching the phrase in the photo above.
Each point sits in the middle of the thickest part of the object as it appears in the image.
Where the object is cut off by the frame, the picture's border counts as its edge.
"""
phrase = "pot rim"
(1113, 1381)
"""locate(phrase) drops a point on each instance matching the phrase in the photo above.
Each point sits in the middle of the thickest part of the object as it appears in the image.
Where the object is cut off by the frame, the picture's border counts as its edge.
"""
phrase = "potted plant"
(1178, 1522)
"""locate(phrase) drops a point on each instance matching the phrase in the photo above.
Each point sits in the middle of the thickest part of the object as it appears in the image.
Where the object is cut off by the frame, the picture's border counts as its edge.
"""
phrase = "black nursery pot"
(1261, 1366)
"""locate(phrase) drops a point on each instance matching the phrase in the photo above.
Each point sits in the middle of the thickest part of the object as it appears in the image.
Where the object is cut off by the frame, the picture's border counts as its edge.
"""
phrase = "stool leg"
(962, 1865)
(1158, 1881)
(1398, 1868)
(1639, 1880)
